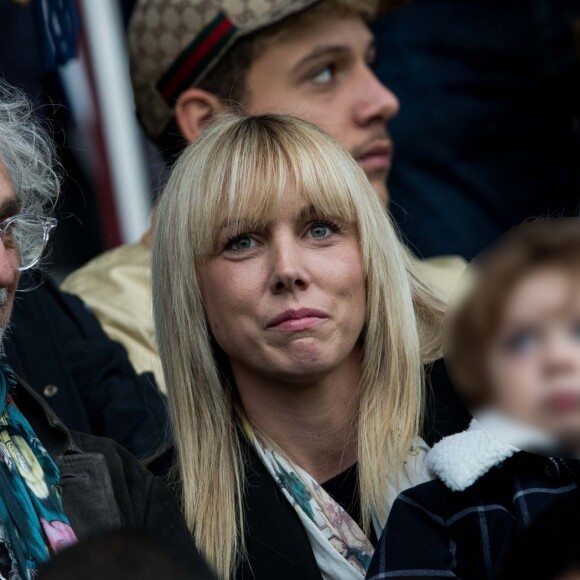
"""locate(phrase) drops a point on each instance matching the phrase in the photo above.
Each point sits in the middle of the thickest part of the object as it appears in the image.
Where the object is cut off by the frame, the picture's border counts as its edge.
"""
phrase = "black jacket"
(105, 487)
(435, 532)
(276, 542)
(58, 347)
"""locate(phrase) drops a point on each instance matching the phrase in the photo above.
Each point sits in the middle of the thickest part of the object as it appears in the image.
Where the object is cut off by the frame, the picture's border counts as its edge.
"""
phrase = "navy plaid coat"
(436, 532)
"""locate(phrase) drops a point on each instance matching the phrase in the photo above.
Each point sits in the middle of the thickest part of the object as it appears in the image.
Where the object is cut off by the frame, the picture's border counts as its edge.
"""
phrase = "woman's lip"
(297, 319)
(299, 324)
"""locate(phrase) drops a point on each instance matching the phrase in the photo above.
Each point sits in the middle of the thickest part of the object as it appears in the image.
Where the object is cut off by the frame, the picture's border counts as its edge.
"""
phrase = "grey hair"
(27, 153)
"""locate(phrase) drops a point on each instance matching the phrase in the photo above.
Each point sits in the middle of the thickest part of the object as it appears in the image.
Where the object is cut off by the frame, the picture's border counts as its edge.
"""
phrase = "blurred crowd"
(289, 289)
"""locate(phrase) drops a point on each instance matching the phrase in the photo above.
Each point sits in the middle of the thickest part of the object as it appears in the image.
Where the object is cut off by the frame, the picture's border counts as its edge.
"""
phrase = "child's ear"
(194, 111)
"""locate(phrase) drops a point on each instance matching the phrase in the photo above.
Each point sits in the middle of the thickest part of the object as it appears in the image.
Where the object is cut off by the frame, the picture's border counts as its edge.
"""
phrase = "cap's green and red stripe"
(195, 57)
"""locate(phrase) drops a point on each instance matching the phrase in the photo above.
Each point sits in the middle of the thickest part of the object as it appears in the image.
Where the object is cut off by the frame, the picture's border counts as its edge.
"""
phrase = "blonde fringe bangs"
(246, 174)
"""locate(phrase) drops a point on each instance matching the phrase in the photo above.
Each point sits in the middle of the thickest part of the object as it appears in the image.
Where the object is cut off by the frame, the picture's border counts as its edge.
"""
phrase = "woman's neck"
(314, 422)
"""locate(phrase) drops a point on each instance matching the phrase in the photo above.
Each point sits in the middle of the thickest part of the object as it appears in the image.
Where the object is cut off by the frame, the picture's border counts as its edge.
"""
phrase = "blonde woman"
(292, 335)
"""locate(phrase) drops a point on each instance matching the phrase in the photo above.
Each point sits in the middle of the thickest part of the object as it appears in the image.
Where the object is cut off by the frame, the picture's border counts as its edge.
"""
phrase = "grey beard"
(3, 301)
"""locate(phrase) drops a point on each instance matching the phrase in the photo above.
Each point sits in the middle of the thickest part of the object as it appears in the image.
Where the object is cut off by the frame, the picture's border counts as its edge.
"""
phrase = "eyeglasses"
(27, 235)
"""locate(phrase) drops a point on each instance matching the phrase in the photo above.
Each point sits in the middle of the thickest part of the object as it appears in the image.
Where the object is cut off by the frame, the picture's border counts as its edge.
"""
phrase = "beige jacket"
(117, 287)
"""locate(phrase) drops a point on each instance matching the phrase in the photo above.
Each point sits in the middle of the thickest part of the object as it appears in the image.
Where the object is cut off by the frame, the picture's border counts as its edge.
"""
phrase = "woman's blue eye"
(320, 231)
(241, 243)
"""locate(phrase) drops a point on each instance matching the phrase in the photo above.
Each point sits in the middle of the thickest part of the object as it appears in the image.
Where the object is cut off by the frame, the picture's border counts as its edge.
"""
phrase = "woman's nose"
(289, 271)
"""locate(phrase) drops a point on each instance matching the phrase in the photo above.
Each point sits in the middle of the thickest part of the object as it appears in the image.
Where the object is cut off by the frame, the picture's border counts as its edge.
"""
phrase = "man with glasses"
(53, 342)
(56, 486)
(24, 237)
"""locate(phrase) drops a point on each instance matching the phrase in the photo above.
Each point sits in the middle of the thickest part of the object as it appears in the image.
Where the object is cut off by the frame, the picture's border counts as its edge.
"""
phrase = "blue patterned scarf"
(31, 514)
(341, 549)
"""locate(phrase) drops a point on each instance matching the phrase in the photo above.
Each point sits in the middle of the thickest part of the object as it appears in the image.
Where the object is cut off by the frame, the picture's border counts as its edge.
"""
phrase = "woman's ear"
(195, 109)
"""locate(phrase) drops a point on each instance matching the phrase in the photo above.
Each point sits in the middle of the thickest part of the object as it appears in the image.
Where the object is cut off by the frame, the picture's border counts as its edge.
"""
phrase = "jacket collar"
(461, 459)
(49, 429)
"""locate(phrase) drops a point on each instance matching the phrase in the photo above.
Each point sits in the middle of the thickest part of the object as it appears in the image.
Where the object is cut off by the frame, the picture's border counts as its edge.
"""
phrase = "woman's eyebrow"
(303, 214)
(237, 224)
(308, 212)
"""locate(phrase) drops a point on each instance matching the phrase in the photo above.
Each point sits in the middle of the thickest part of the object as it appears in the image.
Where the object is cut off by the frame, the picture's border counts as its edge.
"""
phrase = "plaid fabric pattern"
(433, 532)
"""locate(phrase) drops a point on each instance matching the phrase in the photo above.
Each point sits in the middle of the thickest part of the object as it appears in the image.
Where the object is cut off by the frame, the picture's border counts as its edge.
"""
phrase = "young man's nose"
(376, 101)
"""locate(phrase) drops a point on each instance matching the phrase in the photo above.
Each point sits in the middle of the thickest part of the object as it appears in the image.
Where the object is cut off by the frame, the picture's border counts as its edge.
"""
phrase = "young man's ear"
(194, 111)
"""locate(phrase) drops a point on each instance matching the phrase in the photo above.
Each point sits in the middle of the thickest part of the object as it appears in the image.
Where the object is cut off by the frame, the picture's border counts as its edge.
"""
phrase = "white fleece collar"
(461, 459)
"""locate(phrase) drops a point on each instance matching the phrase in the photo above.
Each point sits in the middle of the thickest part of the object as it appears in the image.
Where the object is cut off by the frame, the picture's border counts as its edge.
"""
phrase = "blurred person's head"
(28, 188)
(119, 555)
(274, 258)
(192, 60)
(513, 340)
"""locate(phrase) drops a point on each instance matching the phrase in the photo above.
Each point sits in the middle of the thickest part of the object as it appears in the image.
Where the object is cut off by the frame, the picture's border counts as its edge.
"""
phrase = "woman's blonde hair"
(238, 172)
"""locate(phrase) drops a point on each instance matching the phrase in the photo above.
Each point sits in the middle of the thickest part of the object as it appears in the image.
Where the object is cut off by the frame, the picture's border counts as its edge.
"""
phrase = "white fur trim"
(461, 459)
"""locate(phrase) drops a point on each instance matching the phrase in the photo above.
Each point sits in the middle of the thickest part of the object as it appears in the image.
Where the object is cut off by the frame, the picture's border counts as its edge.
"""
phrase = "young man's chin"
(380, 186)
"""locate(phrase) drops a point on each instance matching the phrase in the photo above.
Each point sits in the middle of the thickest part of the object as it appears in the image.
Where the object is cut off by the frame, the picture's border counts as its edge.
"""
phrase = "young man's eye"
(324, 75)
(371, 59)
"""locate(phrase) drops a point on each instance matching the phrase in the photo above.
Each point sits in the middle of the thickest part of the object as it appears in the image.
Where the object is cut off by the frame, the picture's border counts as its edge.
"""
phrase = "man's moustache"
(359, 151)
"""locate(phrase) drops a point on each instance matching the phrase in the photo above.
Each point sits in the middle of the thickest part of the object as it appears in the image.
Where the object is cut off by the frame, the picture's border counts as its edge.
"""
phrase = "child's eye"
(521, 343)
(240, 243)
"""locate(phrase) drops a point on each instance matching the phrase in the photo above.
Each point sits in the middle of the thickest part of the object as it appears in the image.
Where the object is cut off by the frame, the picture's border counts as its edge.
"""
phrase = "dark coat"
(497, 131)
(434, 532)
(105, 487)
(58, 347)
(276, 542)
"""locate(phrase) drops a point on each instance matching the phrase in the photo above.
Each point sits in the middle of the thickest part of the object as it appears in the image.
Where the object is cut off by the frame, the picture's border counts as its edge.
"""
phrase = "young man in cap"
(192, 60)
